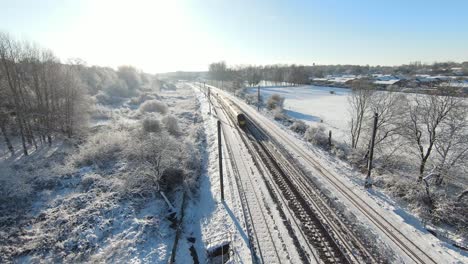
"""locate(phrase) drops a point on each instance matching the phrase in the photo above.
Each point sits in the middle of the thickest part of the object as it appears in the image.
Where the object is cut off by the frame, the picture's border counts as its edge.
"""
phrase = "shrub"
(151, 125)
(317, 136)
(275, 101)
(278, 114)
(252, 99)
(153, 106)
(142, 98)
(14, 188)
(101, 148)
(119, 89)
(152, 156)
(101, 112)
(299, 127)
(171, 124)
(105, 99)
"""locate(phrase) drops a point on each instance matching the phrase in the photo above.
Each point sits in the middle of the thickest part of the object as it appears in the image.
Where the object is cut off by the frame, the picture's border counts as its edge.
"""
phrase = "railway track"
(256, 215)
(310, 222)
(318, 225)
(323, 228)
(414, 253)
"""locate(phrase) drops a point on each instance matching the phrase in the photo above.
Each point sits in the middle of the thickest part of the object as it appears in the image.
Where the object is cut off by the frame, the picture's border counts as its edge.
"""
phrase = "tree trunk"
(421, 170)
(7, 140)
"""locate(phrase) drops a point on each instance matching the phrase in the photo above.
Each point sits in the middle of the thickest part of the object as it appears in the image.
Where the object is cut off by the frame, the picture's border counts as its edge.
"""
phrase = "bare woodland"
(40, 96)
(421, 147)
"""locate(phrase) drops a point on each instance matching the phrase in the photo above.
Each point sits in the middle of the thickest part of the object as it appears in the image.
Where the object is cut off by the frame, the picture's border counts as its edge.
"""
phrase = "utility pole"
(220, 151)
(329, 139)
(258, 98)
(209, 98)
(368, 182)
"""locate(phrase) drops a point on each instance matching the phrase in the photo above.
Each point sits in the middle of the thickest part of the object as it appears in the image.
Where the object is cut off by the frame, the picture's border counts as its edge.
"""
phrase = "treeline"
(299, 74)
(40, 97)
(252, 75)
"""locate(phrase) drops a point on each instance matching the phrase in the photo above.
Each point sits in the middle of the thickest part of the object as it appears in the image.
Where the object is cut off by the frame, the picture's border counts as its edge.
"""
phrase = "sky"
(170, 35)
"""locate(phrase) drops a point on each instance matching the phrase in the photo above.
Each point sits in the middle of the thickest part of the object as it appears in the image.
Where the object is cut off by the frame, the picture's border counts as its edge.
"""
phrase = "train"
(240, 116)
(241, 120)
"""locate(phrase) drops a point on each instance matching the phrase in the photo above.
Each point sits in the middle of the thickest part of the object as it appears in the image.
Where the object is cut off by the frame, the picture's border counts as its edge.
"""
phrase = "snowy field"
(314, 105)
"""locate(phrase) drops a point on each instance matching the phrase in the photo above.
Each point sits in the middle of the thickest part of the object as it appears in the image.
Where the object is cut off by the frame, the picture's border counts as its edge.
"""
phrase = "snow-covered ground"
(315, 105)
(83, 204)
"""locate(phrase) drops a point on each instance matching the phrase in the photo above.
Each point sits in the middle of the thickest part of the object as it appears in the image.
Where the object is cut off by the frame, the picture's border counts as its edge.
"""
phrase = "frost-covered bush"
(101, 148)
(119, 89)
(299, 127)
(278, 114)
(171, 124)
(275, 101)
(153, 106)
(151, 125)
(14, 187)
(150, 156)
(143, 97)
(105, 99)
(358, 158)
(101, 112)
(451, 211)
(252, 99)
(130, 76)
(317, 136)
(340, 150)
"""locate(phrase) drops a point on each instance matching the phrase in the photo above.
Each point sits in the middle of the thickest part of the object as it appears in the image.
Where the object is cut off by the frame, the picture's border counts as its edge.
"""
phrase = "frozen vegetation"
(92, 190)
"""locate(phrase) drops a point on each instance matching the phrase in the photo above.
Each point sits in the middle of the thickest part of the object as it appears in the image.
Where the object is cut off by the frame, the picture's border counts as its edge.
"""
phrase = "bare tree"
(426, 114)
(388, 106)
(10, 56)
(359, 102)
(452, 146)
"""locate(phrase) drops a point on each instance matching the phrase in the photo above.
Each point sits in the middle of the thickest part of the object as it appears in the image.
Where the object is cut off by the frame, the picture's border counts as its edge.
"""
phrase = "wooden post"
(258, 98)
(368, 182)
(220, 151)
(329, 138)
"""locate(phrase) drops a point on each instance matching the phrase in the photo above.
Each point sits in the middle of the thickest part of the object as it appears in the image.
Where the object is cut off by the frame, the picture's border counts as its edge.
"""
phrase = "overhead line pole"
(258, 98)
(368, 182)
(220, 151)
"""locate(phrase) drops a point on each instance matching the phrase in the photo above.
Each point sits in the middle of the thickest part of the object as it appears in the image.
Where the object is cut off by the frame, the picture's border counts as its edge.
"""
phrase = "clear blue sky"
(159, 36)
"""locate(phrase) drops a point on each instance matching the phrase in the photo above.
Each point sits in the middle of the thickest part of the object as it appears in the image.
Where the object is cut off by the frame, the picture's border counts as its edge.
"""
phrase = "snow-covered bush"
(101, 112)
(275, 101)
(299, 127)
(278, 114)
(171, 124)
(151, 156)
(119, 89)
(151, 125)
(358, 158)
(340, 150)
(143, 97)
(317, 136)
(101, 148)
(252, 99)
(14, 188)
(450, 211)
(105, 99)
(153, 106)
